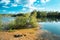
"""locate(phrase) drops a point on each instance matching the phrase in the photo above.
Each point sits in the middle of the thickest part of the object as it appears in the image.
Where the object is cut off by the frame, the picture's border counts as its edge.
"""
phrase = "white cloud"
(41, 8)
(12, 12)
(17, 1)
(36, 8)
(9, 12)
(24, 9)
(5, 6)
(44, 1)
(31, 1)
(31, 6)
(47, 0)
(5, 1)
(4, 10)
(14, 5)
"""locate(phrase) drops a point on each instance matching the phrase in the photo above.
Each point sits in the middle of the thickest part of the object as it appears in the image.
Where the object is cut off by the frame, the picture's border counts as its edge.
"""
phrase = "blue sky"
(16, 6)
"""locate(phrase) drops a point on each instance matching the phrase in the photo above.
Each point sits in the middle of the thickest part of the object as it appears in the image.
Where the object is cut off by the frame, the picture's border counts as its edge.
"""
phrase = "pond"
(52, 26)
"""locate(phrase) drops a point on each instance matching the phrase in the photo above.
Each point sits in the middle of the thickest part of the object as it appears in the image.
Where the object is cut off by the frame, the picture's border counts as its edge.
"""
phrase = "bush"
(20, 22)
(23, 22)
(33, 21)
(11, 25)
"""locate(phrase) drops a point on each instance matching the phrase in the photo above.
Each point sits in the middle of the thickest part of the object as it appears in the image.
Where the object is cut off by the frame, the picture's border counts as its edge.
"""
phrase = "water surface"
(53, 27)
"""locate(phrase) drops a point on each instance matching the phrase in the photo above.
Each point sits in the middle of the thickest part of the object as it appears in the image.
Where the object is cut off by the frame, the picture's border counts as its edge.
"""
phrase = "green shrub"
(11, 25)
(23, 22)
(33, 21)
(20, 21)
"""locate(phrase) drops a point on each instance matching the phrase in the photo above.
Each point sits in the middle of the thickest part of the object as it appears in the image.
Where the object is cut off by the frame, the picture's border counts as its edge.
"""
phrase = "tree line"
(38, 14)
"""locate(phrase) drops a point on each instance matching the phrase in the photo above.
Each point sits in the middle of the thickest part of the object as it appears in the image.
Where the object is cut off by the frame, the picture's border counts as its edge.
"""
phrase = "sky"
(17, 6)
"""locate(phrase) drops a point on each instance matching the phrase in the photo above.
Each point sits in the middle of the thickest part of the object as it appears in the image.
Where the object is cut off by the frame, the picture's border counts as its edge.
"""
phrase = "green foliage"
(20, 21)
(11, 25)
(43, 13)
(24, 20)
(38, 14)
(33, 21)
(27, 15)
(34, 13)
(0, 24)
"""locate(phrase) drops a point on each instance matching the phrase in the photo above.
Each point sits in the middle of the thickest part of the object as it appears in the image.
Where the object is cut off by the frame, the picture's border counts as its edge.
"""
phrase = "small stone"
(17, 35)
(24, 35)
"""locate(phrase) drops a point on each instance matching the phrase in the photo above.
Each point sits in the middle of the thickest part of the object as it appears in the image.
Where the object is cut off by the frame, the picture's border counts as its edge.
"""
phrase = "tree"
(34, 13)
(27, 15)
(38, 14)
(43, 14)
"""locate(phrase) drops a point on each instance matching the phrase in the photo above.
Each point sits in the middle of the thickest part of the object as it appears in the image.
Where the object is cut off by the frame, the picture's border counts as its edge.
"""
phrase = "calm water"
(51, 26)
(6, 19)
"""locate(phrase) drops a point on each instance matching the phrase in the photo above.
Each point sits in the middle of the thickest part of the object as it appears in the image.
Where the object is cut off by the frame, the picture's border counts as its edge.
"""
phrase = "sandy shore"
(30, 34)
(27, 34)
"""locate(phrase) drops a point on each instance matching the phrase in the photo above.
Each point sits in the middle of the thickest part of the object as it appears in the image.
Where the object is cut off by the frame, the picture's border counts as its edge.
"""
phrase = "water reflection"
(45, 19)
(50, 24)
(6, 19)
(53, 27)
